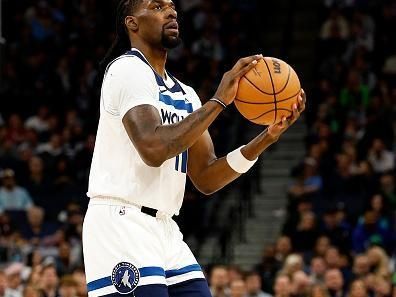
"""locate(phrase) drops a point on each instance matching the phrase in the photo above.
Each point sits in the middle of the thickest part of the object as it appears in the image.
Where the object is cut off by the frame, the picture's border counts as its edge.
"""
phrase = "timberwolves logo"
(125, 277)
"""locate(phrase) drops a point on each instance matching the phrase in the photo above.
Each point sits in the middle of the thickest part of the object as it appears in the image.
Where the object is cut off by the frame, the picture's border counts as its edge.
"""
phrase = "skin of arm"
(209, 173)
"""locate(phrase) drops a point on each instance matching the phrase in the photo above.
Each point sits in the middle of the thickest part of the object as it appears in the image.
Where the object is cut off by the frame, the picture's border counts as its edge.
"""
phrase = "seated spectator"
(306, 233)
(219, 281)
(369, 231)
(321, 246)
(67, 287)
(253, 285)
(358, 289)
(319, 291)
(234, 273)
(380, 158)
(300, 284)
(238, 288)
(388, 189)
(317, 270)
(12, 196)
(334, 283)
(268, 267)
(282, 286)
(379, 262)
(308, 183)
(293, 263)
(37, 229)
(378, 205)
(49, 281)
(14, 279)
(336, 229)
(38, 122)
(361, 266)
(79, 277)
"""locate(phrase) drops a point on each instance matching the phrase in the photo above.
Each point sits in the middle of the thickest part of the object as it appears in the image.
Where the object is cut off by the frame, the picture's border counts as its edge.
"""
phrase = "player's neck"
(156, 58)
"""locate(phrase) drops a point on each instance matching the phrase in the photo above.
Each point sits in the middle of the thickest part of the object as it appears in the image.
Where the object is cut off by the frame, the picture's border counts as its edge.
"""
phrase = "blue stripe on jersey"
(184, 162)
(178, 104)
(144, 271)
(99, 283)
(151, 271)
(177, 163)
(184, 270)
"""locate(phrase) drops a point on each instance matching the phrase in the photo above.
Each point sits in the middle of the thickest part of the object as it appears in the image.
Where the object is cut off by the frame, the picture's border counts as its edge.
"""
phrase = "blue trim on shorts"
(144, 271)
(189, 268)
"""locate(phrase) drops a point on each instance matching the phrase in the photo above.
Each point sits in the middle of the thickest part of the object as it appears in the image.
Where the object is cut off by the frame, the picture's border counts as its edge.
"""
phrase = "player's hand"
(276, 130)
(228, 86)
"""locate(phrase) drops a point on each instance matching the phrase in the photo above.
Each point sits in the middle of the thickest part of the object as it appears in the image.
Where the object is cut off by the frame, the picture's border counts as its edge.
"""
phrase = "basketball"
(267, 93)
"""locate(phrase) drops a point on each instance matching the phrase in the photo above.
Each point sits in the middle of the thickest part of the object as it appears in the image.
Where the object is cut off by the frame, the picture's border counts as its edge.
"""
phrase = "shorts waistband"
(104, 200)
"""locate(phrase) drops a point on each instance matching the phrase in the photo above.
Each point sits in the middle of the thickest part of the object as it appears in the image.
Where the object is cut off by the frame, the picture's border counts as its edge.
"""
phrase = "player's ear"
(131, 22)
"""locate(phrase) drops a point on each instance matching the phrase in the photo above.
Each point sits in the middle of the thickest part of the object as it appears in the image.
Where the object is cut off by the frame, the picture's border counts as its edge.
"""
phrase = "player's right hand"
(228, 86)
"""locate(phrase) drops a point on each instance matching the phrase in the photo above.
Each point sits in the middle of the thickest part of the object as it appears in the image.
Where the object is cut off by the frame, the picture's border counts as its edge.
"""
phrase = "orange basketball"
(268, 91)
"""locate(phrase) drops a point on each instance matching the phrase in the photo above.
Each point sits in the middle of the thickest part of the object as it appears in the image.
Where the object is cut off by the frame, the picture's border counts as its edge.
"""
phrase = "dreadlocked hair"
(121, 44)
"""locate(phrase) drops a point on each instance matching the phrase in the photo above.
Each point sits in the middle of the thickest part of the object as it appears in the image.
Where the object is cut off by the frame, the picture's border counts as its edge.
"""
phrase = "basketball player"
(153, 132)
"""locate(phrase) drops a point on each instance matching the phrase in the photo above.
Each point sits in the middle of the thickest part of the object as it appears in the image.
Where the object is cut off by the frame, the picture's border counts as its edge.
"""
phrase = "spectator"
(319, 291)
(379, 262)
(369, 231)
(219, 282)
(334, 283)
(68, 287)
(234, 273)
(14, 279)
(49, 281)
(361, 266)
(12, 196)
(358, 289)
(37, 229)
(300, 284)
(293, 263)
(282, 286)
(79, 277)
(238, 288)
(253, 285)
(380, 158)
(317, 270)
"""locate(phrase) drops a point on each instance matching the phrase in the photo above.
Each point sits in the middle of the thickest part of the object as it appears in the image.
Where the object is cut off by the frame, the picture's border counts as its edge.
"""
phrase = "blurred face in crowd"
(238, 288)
(64, 250)
(361, 265)
(283, 245)
(253, 283)
(219, 278)
(36, 165)
(307, 221)
(35, 216)
(378, 146)
(322, 245)
(332, 257)
(377, 203)
(49, 278)
(68, 290)
(319, 291)
(382, 287)
(14, 280)
(358, 289)
(154, 23)
(318, 266)
(282, 286)
(334, 280)
(300, 283)
(79, 277)
(9, 179)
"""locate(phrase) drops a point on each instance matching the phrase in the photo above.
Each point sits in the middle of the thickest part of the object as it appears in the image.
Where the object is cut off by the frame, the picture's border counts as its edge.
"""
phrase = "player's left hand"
(276, 130)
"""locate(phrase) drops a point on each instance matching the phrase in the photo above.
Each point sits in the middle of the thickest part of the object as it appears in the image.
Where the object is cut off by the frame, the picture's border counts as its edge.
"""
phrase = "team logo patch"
(125, 277)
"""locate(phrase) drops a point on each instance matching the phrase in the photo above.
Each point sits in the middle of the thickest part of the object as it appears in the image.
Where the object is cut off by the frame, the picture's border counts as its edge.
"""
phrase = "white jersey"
(117, 170)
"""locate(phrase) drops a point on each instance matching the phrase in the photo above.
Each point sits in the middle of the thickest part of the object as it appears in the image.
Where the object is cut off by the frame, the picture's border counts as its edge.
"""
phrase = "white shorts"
(125, 248)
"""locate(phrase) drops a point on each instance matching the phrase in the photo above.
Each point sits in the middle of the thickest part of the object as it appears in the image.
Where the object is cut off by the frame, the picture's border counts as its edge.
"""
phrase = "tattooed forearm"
(157, 143)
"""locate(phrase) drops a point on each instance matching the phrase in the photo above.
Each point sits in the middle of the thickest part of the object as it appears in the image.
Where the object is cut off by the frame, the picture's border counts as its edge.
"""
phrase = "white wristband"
(238, 162)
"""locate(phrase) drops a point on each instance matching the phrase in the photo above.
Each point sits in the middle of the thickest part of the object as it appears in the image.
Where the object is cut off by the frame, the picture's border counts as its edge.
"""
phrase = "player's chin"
(170, 41)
